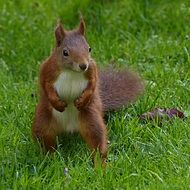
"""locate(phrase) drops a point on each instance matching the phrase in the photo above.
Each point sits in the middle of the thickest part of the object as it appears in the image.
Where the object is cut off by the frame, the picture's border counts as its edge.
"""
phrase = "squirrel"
(74, 95)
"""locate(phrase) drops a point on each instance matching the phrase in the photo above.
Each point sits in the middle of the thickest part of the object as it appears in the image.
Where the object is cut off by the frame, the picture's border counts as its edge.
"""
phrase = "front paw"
(78, 103)
(60, 106)
(81, 103)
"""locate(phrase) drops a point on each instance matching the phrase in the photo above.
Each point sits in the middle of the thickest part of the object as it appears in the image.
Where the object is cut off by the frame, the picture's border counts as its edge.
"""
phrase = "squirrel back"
(119, 88)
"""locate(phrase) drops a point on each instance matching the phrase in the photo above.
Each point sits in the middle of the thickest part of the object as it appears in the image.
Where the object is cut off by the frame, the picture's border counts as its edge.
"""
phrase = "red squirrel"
(74, 95)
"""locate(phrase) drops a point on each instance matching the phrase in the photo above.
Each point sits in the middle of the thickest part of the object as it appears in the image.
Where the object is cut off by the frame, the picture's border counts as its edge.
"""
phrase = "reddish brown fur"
(92, 127)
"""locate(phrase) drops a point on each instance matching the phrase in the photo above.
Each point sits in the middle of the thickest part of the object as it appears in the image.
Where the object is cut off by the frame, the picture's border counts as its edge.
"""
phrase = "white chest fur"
(69, 86)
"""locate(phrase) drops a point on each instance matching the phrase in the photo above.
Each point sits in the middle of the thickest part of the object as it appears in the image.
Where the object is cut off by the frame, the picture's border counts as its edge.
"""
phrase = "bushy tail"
(119, 88)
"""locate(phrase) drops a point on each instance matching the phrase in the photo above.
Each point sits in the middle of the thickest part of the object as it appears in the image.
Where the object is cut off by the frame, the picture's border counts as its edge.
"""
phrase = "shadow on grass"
(72, 148)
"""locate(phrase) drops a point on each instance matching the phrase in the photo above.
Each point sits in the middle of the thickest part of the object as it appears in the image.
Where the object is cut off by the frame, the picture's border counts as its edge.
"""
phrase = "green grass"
(151, 36)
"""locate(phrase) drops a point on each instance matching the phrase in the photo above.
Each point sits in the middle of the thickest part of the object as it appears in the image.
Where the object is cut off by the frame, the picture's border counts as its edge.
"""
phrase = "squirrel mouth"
(79, 68)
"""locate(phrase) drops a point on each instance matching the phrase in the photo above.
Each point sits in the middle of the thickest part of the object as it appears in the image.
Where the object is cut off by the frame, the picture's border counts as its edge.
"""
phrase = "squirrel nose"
(83, 67)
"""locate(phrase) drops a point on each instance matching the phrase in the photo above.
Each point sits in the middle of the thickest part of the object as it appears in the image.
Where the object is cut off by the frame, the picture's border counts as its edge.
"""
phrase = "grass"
(151, 36)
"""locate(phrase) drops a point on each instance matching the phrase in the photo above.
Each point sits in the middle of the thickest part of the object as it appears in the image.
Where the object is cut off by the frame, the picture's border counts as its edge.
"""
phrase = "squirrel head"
(72, 49)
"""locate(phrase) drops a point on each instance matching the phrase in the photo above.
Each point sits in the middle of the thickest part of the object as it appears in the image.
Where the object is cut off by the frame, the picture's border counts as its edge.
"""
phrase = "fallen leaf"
(159, 113)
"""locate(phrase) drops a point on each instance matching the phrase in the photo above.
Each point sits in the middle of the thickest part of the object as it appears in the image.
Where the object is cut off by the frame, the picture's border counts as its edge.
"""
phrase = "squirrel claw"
(61, 106)
(80, 103)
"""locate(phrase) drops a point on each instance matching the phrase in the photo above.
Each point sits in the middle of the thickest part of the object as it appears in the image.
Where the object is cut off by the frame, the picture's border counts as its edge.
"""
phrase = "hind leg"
(93, 130)
(43, 129)
(47, 140)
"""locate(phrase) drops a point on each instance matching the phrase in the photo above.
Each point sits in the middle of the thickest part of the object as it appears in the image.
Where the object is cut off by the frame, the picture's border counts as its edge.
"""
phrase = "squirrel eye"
(65, 53)
(89, 49)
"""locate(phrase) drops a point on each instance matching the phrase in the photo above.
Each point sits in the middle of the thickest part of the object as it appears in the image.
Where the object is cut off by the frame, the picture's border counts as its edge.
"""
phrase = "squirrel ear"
(59, 34)
(82, 27)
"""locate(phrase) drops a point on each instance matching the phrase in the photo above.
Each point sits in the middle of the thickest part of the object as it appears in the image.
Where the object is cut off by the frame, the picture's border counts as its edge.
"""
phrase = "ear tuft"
(59, 34)
(82, 26)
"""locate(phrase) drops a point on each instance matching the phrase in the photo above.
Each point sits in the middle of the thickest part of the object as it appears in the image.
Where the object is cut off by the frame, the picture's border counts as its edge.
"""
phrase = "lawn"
(150, 36)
